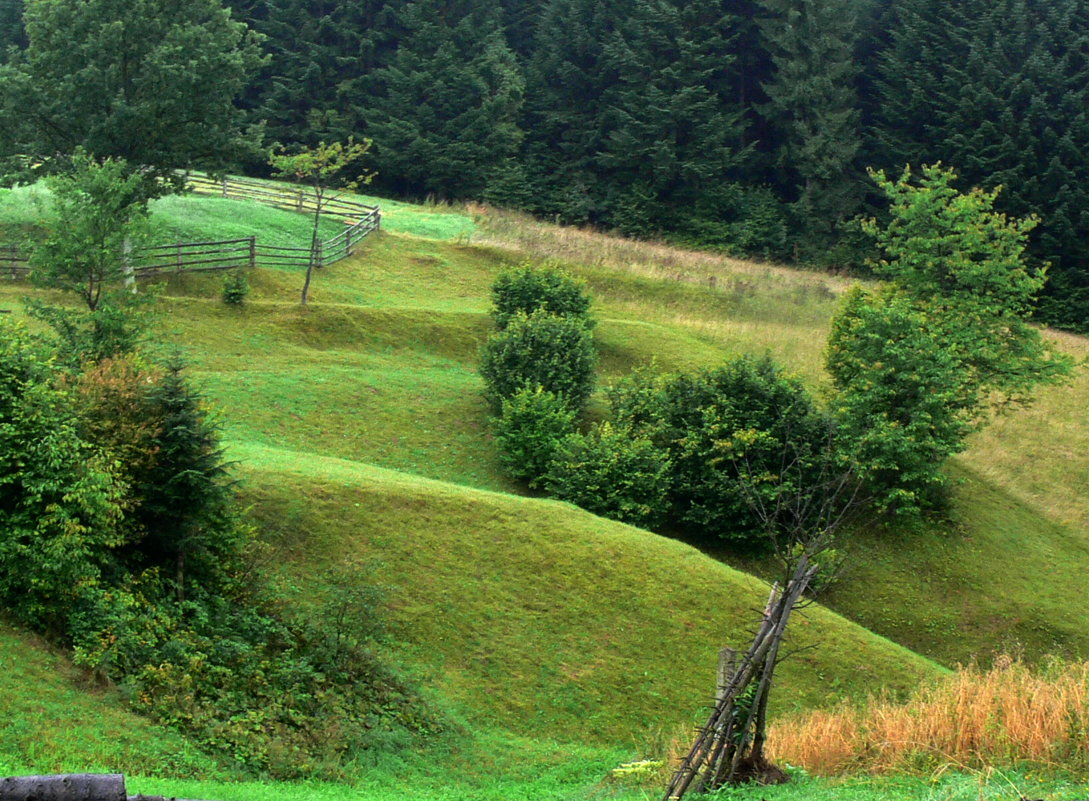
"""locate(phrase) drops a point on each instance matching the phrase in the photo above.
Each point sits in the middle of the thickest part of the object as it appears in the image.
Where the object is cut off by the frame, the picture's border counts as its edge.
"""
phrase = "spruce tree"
(443, 110)
(812, 101)
(1001, 91)
(12, 33)
(186, 494)
(634, 108)
(317, 51)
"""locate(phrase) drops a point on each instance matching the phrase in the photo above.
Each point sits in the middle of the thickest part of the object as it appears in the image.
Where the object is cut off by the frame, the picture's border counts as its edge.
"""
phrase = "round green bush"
(540, 349)
(528, 430)
(613, 473)
(527, 289)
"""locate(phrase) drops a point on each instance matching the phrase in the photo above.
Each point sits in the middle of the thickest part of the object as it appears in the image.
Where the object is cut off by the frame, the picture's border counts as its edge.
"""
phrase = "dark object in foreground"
(70, 787)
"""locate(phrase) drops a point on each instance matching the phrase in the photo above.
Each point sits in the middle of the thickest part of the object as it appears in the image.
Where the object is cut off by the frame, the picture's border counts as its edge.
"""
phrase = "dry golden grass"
(654, 260)
(1008, 714)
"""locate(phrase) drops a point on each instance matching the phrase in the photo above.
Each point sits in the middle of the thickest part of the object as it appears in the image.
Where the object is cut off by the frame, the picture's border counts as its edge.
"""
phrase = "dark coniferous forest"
(741, 125)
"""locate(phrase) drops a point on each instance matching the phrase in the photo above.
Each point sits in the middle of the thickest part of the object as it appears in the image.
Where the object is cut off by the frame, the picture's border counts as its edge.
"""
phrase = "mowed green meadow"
(562, 642)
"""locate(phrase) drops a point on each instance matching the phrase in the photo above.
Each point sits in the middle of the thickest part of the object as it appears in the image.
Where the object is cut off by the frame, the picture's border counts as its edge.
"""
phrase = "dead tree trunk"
(64, 787)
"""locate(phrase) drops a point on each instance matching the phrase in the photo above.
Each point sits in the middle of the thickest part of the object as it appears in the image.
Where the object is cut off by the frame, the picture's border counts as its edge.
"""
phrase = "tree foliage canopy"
(149, 81)
(920, 362)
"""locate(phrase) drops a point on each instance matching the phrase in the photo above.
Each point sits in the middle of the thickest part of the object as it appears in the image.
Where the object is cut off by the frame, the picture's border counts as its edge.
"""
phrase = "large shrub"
(740, 438)
(527, 288)
(612, 472)
(540, 349)
(120, 538)
(60, 503)
(528, 429)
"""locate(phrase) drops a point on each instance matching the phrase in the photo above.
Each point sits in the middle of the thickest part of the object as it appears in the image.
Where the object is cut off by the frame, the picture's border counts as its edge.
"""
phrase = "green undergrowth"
(363, 438)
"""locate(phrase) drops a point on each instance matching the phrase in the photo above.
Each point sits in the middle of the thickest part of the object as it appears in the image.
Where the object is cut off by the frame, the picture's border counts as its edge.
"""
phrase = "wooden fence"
(301, 199)
(227, 254)
(13, 262)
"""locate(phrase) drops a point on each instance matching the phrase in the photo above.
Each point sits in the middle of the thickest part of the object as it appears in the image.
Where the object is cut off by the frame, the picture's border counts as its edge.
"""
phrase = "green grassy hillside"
(536, 616)
(363, 439)
(54, 720)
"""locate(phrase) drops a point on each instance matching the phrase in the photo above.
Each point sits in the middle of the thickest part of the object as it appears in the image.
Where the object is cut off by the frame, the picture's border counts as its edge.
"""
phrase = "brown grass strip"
(1006, 715)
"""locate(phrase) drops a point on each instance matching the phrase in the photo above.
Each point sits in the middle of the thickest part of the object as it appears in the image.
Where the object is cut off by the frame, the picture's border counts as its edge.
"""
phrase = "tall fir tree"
(1001, 91)
(12, 33)
(317, 53)
(635, 108)
(443, 109)
(813, 102)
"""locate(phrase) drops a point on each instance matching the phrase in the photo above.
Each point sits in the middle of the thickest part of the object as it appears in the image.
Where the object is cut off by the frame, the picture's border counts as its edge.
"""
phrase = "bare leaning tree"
(800, 507)
(322, 168)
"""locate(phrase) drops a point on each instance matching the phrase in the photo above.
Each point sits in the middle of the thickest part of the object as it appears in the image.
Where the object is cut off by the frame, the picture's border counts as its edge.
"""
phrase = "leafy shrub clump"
(529, 428)
(613, 473)
(540, 349)
(739, 439)
(528, 289)
(120, 537)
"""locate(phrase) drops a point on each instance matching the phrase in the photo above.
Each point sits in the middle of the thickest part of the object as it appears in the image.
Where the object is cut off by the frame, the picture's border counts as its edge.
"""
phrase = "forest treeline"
(744, 125)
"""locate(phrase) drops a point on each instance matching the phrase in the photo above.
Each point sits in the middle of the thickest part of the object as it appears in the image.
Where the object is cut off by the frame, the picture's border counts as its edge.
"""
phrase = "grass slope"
(54, 721)
(537, 616)
(531, 613)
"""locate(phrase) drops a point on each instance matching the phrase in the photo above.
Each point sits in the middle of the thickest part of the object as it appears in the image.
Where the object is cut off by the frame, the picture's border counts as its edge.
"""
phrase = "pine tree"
(813, 102)
(443, 110)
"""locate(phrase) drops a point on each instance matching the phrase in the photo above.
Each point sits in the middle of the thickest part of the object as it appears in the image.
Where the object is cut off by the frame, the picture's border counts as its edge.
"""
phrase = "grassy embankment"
(526, 612)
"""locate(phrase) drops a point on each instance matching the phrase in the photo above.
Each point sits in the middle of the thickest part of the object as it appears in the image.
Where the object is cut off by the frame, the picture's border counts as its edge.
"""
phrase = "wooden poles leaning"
(730, 747)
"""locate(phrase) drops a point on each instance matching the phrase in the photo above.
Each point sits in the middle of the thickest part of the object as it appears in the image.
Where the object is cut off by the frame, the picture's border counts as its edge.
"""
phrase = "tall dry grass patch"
(1008, 714)
(653, 260)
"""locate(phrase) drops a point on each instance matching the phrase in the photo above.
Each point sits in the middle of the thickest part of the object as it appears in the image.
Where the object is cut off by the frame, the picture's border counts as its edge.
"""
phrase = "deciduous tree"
(322, 167)
(149, 81)
(919, 363)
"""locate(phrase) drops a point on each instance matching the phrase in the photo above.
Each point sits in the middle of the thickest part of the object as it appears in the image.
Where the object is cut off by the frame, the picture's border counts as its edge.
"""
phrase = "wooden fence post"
(253, 252)
(317, 254)
(224, 186)
(178, 259)
(727, 667)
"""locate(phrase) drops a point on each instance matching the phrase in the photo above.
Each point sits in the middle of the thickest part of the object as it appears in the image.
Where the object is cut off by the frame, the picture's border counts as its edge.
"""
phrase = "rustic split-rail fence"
(226, 254)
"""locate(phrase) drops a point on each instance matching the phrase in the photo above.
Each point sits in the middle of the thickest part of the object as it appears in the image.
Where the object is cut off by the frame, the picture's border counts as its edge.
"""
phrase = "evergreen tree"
(634, 108)
(186, 493)
(813, 102)
(12, 33)
(443, 110)
(1001, 90)
(317, 51)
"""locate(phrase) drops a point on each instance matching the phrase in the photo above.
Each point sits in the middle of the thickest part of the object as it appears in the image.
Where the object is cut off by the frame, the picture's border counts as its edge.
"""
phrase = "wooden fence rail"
(228, 254)
(301, 199)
